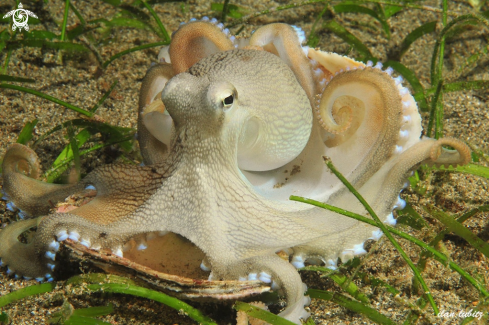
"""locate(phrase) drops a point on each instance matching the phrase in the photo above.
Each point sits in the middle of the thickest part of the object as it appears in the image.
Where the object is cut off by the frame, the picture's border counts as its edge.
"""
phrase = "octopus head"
(223, 95)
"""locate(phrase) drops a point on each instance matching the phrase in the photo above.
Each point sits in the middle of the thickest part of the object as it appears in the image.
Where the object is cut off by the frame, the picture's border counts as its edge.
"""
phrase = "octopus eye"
(222, 96)
(228, 101)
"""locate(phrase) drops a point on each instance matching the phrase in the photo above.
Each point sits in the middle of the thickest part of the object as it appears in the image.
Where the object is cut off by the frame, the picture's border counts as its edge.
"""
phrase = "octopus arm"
(120, 190)
(21, 187)
(365, 112)
(194, 41)
(285, 276)
(285, 41)
(22, 258)
(381, 191)
(37, 258)
(154, 124)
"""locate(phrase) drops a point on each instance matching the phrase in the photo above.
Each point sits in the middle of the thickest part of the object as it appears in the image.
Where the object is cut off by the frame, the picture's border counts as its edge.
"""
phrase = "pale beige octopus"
(237, 131)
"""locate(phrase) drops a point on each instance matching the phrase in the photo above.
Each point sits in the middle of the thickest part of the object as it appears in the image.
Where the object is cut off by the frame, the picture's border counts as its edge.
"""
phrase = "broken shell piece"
(177, 272)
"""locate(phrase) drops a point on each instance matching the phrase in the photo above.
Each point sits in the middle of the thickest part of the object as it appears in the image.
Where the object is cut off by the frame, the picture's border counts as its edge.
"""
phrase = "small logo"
(20, 17)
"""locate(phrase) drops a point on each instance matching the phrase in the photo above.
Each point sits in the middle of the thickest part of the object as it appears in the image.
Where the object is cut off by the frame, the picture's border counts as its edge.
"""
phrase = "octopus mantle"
(229, 130)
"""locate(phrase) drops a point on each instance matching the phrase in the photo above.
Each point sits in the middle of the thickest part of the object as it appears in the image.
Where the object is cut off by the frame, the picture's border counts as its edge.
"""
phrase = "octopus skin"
(228, 131)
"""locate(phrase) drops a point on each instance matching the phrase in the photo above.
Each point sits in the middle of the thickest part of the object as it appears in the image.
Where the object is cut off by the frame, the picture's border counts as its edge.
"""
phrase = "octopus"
(229, 129)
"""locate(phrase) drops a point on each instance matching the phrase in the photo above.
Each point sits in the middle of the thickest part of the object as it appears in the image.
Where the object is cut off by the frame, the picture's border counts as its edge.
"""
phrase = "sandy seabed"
(80, 81)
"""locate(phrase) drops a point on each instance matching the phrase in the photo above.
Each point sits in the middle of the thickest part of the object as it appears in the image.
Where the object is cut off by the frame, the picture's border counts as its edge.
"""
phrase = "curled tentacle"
(431, 152)
(154, 125)
(22, 259)
(194, 41)
(360, 94)
(365, 111)
(440, 156)
(339, 117)
(20, 185)
(394, 174)
(21, 159)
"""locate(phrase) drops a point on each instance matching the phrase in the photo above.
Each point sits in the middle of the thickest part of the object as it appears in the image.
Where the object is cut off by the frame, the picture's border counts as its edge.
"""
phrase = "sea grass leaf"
(32, 290)
(4, 77)
(436, 254)
(164, 34)
(41, 35)
(121, 22)
(134, 49)
(340, 8)
(4, 319)
(350, 304)
(390, 11)
(65, 20)
(340, 31)
(344, 282)
(459, 229)
(104, 97)
(409, 216)
(262, 314)
(376, 282)
(465, 85)
(26, 132)
(435, 68)
(115, 3)
(234, 11)
(174, 303)
(48, 97)
(66, 46)
(417, 33)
